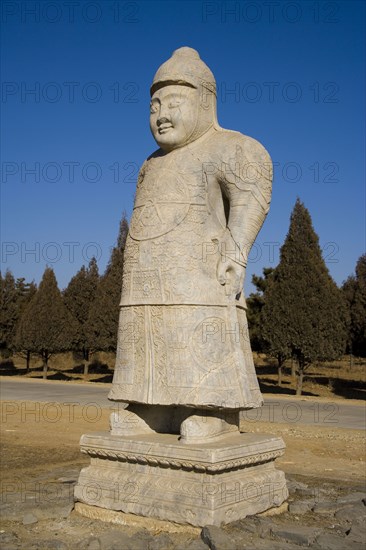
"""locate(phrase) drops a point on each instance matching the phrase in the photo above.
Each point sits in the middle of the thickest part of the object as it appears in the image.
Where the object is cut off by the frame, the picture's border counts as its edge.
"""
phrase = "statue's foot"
(138, 418)
(204, 428)
(127, 422)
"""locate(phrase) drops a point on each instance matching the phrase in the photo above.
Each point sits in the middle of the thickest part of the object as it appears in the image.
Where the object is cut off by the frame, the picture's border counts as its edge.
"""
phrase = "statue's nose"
(162, 120)
(163, 115)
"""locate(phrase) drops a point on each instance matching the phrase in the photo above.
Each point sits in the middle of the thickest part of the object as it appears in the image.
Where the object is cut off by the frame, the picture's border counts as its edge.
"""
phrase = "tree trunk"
(350, 358)
(300, 380)
(28, 360)
(85, 354)
(45, 365)
(293, 367)
(280, 374)
(86, 370)
(281, 361)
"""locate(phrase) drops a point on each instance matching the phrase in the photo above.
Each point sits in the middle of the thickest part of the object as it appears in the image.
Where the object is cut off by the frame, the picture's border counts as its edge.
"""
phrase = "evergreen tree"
(102, 324)
(25, 292)
(354, 290)
(255, 303)
(78, 298)
(9, 311)
(304, 313)
(46, 326)
(14, 296)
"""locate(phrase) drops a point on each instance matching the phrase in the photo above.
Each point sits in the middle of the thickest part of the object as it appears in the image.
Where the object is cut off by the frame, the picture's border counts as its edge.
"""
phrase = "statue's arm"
(245, 179)
(246, 182)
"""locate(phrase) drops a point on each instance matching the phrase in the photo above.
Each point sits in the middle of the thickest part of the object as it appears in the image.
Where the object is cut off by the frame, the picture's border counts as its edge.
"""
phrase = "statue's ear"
(206, 102)
(207, 96)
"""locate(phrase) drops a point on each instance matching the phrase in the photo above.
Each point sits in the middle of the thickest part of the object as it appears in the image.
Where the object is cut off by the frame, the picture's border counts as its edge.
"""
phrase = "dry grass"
(62, 366)
(345, 378)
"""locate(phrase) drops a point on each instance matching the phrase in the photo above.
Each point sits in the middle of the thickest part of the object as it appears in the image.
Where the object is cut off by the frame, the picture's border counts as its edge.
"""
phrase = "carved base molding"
(157, 476)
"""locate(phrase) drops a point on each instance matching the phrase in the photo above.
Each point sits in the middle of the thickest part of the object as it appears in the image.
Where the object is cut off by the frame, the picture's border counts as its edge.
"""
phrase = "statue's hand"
(231, 275)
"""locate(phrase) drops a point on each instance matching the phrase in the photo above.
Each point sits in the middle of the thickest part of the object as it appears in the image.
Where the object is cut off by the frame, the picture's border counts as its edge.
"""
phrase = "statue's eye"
(153, 108)
(174, 103)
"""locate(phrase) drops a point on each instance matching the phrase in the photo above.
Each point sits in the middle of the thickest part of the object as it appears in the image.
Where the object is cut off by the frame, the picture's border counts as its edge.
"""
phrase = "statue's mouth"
(164, 128)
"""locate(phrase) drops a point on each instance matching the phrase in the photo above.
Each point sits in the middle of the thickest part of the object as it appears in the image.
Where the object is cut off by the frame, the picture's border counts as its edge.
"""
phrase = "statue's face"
(173, 115)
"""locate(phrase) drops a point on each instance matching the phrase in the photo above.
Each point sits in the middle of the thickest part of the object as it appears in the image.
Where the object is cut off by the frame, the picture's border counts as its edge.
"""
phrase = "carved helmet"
(187, 68)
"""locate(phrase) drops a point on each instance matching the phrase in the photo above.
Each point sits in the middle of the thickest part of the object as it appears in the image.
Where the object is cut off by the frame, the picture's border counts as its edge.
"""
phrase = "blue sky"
(290, 74)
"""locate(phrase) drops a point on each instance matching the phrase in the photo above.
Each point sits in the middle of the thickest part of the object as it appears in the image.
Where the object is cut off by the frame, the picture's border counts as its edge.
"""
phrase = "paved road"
(337, 414)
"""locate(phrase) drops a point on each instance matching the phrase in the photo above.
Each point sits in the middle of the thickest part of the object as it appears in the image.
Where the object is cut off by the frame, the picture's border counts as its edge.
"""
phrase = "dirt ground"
(31, 442)
(39, 451)
(40, 458)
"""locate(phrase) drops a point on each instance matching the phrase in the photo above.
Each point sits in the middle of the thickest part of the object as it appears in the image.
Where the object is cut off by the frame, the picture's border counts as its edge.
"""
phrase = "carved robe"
(181, 339)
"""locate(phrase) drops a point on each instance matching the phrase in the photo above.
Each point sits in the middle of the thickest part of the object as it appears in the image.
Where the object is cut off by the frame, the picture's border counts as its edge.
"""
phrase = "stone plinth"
(157, 476)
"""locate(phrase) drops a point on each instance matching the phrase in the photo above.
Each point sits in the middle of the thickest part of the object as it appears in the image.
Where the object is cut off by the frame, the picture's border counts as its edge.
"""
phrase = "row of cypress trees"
(298, 311)
(84, 317)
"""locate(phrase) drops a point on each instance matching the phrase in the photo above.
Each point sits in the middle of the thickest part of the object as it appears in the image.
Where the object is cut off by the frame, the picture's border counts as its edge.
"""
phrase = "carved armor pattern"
(181, 341)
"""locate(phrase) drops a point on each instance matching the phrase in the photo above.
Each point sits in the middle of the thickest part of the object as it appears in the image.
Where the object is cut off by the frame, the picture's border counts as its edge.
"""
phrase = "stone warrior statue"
(184, 363)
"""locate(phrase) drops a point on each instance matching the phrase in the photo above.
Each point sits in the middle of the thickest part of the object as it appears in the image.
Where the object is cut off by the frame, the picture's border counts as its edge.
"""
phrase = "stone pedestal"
(157, 476)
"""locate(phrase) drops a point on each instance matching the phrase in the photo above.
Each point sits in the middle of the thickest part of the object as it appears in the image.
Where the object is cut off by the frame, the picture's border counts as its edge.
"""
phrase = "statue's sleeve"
(246, 182)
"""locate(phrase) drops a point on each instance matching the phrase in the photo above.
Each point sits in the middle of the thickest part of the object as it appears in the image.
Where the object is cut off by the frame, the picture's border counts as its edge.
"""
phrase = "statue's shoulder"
(241, 157)
(150, 162)
(155, 155)
(234, 144)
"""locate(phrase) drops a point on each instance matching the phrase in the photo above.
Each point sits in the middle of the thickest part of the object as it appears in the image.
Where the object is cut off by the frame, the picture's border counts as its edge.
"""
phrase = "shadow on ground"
(349, 389)
(269, 385)
(7, 368)
(61, 376)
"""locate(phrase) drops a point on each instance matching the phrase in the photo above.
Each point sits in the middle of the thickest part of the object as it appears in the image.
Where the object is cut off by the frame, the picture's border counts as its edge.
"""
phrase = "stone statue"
(184, 361)
(184, 366)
